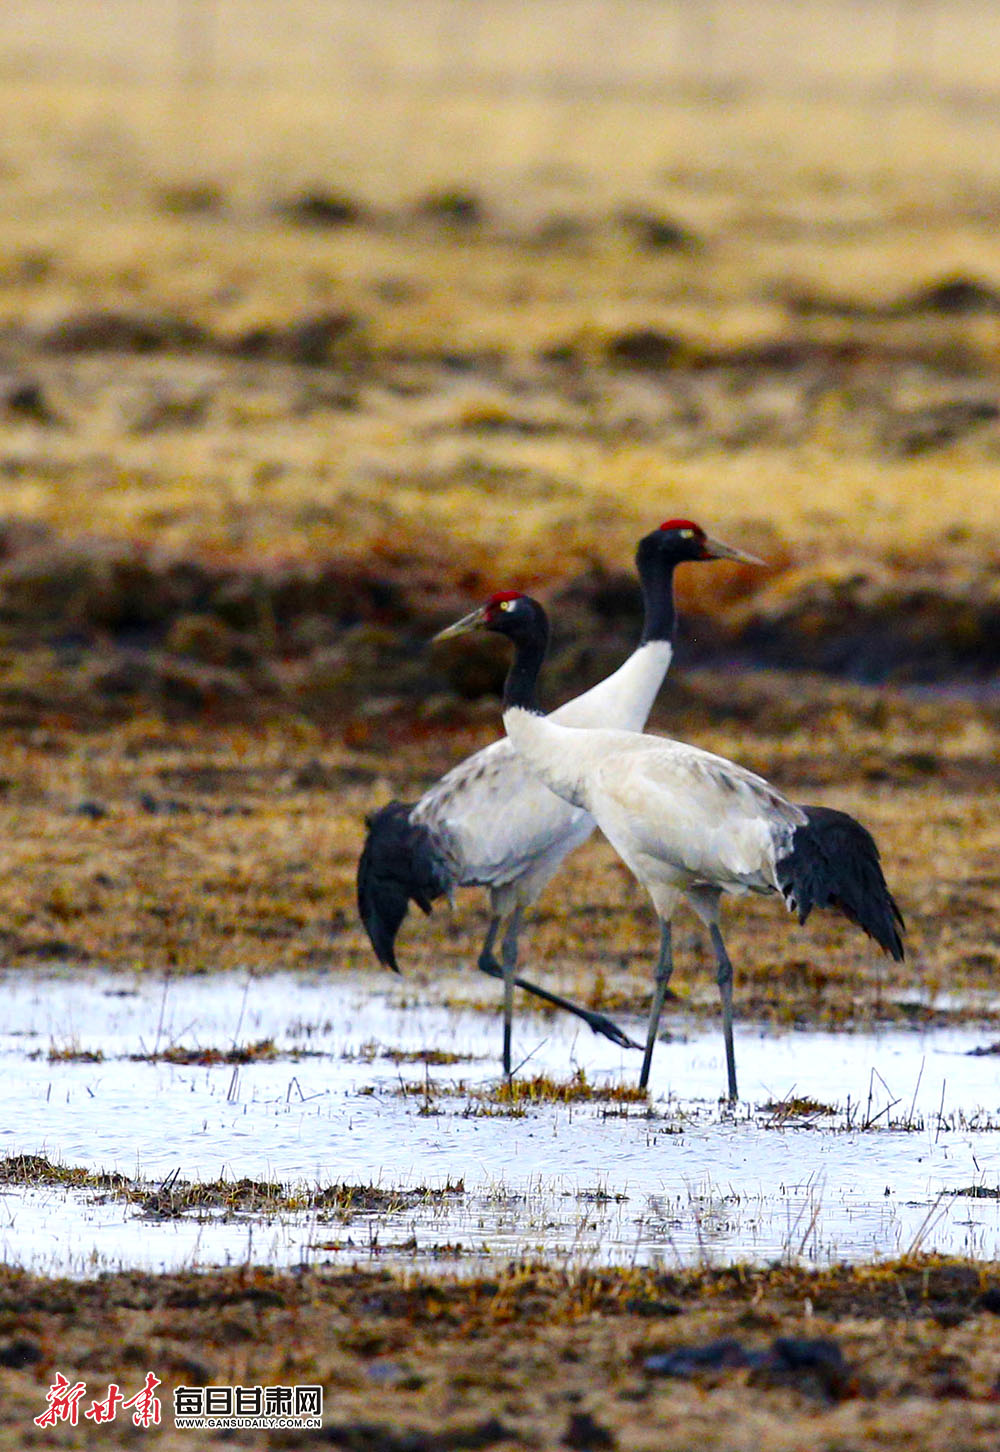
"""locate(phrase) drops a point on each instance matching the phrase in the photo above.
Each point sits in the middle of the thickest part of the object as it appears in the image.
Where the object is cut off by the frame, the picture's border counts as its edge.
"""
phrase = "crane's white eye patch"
(687, 534)
(506, 604)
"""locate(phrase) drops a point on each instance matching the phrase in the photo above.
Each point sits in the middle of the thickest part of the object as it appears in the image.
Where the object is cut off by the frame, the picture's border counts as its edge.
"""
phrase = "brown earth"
(907, 1354)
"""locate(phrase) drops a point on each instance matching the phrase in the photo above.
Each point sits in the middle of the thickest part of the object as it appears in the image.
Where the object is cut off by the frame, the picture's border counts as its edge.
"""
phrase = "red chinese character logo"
(64, 1402)
(107, 1410)
(147, 1406)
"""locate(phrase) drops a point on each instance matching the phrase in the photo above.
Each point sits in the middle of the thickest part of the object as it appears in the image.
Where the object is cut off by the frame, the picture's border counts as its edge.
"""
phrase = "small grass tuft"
(543, 1089)
(799, 1109)
(73, 1054)
(262, 1050)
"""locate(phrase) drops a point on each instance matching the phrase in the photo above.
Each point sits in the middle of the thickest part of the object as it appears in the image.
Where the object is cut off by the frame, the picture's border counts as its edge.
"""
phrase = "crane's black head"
(678, 540)
(509, 613)
(658, 555)
(526, 625)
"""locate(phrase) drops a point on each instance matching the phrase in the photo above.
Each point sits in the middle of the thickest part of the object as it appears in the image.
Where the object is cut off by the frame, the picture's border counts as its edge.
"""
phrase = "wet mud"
(536, 1356)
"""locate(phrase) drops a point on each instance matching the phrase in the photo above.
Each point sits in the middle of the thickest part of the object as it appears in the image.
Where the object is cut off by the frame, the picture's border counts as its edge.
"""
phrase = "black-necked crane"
(690, 825)
(490, 822)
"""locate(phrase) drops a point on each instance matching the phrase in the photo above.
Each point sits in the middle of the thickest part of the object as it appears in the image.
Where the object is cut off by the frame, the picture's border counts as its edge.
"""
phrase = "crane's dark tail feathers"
(834, 862)
(399, 862)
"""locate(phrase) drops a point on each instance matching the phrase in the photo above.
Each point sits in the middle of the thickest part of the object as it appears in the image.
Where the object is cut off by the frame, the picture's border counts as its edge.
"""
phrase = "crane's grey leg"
(508, 958)
(664, 968)
(724, 978)
(598, 1022)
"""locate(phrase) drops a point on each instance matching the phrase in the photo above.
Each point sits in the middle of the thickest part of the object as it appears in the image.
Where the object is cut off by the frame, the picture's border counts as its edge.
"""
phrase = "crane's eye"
(506, 604)
(687, 534)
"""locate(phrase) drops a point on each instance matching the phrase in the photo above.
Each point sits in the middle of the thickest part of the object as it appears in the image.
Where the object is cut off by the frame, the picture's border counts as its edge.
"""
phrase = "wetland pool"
(113, 1073)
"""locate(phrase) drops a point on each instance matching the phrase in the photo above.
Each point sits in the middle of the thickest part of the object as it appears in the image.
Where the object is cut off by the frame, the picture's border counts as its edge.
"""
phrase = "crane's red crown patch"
(682, 524)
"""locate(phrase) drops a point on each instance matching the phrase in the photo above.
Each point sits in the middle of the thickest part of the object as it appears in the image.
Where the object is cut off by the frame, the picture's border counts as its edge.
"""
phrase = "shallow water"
(685, 1181)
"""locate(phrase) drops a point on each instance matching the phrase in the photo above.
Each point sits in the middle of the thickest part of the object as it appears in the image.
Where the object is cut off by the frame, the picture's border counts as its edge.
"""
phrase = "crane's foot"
(601, 1024)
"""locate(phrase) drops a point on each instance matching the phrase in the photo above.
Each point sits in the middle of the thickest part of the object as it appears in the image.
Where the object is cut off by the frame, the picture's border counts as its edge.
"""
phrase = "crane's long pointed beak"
(716, 550)
(473, 621)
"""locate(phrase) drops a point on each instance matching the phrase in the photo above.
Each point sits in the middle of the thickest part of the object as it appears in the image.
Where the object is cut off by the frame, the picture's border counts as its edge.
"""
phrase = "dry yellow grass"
(229, 848)
(850, 189)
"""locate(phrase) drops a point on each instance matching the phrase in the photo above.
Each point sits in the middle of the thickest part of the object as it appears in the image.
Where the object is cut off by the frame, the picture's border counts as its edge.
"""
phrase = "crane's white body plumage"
(692, 826)
(499, 825)
(686, 822)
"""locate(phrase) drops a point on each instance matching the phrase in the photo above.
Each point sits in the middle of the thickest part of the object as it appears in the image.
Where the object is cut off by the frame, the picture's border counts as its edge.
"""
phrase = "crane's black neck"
(529, 634)
(656, 577)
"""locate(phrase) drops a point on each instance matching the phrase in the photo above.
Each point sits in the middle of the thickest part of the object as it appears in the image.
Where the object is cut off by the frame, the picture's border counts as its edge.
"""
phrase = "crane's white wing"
(498, 820)
(685, 816)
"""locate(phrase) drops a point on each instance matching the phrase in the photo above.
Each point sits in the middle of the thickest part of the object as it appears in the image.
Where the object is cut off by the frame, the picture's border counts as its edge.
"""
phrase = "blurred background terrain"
(307, 327)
